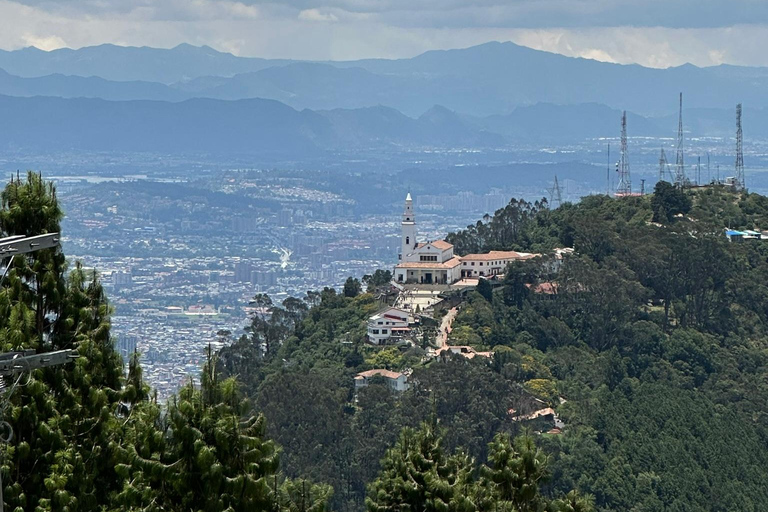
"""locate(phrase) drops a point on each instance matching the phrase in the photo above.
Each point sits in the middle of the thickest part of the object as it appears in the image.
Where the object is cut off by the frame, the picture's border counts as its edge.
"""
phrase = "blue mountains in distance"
(195, 98)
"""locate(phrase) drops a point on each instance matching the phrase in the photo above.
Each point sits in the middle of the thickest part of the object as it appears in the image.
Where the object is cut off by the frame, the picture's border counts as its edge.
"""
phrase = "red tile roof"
(382, 373)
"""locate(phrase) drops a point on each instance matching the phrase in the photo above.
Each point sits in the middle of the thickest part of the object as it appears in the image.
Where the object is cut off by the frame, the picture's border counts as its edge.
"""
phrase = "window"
(383, 331)
(375, 331)
(481, 263)
(427, 257)
(407, 240)
(473, 263)
(379, 323)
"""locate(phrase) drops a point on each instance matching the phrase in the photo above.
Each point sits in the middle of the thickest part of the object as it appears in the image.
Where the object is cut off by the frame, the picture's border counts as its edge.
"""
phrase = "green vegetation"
(653, 333)
(649, 341)
(88, 438)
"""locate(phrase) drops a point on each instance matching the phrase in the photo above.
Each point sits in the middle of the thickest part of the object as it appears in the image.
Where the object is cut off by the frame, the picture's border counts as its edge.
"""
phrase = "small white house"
(397, 381)
(385, 323)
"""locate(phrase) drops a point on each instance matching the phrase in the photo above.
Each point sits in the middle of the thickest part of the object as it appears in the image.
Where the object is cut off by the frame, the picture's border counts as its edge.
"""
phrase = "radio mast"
(624, 188)
(740, 182)
(680, 179)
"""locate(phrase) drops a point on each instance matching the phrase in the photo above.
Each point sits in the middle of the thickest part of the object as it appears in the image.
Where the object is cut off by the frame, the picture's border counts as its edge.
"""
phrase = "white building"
(435, 263)
(428, 262)
(490, 264)
(385, 323)
(397, 381)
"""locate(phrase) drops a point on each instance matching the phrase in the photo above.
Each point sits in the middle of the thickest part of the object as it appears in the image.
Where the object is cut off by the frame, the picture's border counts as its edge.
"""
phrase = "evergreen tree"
(417, 475)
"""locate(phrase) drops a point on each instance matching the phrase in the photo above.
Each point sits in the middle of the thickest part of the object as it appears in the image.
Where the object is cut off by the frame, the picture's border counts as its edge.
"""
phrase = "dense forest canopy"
(649, 341)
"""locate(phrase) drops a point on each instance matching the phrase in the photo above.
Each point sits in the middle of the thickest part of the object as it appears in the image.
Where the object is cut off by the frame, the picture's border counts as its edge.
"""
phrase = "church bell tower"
(408, 226)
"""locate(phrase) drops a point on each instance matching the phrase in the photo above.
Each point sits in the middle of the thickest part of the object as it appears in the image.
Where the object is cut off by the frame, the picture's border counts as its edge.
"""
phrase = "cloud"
(316, 15)
(658, 33)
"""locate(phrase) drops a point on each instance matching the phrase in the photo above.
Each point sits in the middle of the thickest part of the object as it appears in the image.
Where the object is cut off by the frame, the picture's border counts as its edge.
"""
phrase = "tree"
(65, 418)
(352, 287)
(485, 289)
(417, 475)
(668, 201)
(204, 455)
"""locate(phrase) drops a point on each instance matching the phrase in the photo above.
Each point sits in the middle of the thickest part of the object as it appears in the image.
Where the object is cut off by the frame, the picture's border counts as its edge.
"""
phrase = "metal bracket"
(22, 245)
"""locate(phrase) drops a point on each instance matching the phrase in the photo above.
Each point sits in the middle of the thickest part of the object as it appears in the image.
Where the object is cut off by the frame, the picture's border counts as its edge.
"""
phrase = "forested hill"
(646, 347)
(650, 342)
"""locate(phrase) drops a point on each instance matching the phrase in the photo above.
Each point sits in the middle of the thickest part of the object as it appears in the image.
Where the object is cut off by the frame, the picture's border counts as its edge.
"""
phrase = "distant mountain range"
(268, 126)
(492, 79)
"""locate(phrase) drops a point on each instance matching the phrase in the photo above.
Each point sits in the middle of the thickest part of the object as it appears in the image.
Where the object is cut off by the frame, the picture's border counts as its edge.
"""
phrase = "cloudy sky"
(657, 33)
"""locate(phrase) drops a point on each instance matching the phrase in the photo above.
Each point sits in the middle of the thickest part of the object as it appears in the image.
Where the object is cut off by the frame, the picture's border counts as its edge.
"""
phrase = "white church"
(435, 263)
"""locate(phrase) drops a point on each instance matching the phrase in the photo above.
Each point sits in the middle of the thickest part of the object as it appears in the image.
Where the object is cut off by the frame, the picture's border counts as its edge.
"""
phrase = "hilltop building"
(435, 262)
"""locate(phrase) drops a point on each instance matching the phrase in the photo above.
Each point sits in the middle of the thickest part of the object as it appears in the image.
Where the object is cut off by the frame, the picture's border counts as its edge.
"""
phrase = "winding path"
(445, 327)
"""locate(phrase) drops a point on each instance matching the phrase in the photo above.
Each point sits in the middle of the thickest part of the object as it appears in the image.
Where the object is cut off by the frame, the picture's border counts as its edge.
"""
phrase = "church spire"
(408, 229)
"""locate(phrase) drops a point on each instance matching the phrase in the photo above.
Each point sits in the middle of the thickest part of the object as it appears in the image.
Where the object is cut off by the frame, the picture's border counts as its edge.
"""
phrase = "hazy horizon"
(652, 33)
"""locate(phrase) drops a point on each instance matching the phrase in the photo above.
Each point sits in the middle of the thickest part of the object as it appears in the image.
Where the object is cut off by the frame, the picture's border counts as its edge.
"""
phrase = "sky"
(656, 33)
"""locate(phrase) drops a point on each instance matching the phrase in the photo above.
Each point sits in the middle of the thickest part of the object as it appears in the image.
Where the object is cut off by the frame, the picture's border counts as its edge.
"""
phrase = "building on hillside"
(490, 264)
(428, 262)
(387, 323)
(396, 380)
(747, 234)
(435, 262)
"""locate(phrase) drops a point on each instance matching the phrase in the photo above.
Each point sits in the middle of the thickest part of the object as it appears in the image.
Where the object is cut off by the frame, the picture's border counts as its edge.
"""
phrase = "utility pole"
(13, 365)
(740, 182)
(642, 186)
(680, 179)
(624, 188)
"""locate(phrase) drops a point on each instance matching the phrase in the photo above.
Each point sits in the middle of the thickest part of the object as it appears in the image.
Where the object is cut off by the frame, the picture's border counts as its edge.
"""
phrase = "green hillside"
(650, 344)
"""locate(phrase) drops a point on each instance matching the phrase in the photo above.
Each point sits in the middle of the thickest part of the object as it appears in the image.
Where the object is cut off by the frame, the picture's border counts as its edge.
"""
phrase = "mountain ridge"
(492, 78)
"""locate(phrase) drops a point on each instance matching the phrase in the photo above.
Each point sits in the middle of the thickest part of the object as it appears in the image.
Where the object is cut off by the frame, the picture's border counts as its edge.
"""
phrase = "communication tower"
(664, 170)
(740, 182)
(680, 179)
(556, 194)
(624, 187)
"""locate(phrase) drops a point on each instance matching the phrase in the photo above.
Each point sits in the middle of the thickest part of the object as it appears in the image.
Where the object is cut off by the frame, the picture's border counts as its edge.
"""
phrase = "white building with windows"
(386, 323)
(427, 262)
(490, 264)
(435, 262)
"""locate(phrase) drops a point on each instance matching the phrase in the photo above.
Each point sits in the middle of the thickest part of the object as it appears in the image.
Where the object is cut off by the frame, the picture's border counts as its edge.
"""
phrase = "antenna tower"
(556, 193)
(680, 179)
(624, 188)
(740, 183)
(664, 169)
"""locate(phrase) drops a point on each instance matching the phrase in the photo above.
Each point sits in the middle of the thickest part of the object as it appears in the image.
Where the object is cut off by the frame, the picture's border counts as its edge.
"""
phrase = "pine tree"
(417, 475)
(202, 455)
(63, 418)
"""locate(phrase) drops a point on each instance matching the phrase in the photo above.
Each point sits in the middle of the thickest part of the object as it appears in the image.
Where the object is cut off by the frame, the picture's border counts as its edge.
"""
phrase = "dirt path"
(445, 327)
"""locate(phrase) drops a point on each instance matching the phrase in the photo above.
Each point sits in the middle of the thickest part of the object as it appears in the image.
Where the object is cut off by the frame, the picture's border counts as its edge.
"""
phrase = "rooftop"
(378, 373)
(451, 263)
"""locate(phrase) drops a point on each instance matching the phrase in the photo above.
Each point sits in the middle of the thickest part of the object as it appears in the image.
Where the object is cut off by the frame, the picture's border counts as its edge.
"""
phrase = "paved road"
(445, 327)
